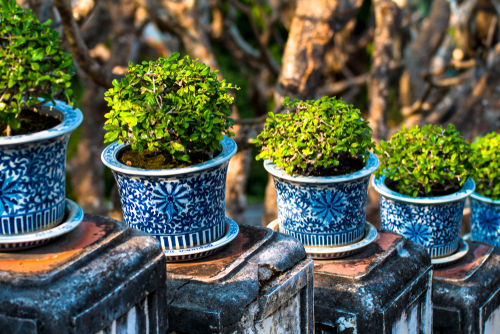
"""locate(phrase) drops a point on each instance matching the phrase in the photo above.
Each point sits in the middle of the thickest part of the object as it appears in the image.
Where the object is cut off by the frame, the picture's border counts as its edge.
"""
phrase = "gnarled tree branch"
(95, 72)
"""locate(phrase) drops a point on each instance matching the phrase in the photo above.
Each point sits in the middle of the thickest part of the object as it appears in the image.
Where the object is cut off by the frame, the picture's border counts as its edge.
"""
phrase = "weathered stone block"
(384, 289)
(466, 297)
(260, 283)
(100, 278)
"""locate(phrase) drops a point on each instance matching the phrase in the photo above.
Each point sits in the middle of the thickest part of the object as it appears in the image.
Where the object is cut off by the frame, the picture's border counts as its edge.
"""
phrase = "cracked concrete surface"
(270, 291)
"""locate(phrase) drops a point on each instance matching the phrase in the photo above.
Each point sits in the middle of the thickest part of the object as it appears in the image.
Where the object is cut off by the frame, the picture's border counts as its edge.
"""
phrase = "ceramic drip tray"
(261, 282)
(99, 278)
(466, 297)
(386, 288)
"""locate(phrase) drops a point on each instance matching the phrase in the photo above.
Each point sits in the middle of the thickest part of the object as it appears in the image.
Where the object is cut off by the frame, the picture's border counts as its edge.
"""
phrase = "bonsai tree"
(32, 64)
(485, 158)
(176, 109)
(323, 137)
(427, 161)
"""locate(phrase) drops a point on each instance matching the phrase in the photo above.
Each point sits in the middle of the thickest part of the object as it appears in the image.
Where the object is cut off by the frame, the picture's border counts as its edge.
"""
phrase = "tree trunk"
(311, 31)
(386, 18)
(386, 21)
(183, 20)
(422, 50)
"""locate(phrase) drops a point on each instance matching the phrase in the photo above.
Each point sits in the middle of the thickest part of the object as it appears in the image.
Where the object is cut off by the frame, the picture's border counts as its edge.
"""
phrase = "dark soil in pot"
(31, 122)
(346, 166)
(445, 189)
(158, 159)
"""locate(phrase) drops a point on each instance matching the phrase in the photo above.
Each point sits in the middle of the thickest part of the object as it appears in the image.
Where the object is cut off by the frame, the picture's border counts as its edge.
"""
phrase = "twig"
(457, 64)
(80, 51)
(491, 30)
(264, 52)
(407, 111)
(453, 80)
(251, 121)
(340, 86)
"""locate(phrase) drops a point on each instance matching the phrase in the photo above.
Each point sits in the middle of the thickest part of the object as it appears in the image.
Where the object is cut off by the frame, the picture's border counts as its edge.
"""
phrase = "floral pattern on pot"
(435, 227)
(433, 222)
(485, 219)
(182, 210)
(32, 175)
(323, 211)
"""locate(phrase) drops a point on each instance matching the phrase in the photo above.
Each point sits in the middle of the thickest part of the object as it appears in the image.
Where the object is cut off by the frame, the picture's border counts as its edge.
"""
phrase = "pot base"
(462, 250)
(337, 252)
(327, 240)
(195, 239)
(193, 253)
(73, 218)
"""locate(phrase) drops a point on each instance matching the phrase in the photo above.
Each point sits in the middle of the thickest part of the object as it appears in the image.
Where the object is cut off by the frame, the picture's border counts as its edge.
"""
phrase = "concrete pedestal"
(384, 289)
(262, 282)
(466, 297)
(99, 278)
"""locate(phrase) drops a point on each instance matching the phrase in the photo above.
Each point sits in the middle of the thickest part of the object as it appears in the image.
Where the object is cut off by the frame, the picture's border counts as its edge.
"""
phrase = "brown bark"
(423, 49)
(184, 16)
(386, 20)
(78, 47)
(386, 25)
(86, 167)
(311, 31)
(265, 56)
(469, 113)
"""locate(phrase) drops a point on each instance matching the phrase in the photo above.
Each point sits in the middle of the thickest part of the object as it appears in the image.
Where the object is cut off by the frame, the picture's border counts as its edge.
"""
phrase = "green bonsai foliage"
(316, 137)
(174, 105)
(32, 63)
(427, 161)
(486, 160)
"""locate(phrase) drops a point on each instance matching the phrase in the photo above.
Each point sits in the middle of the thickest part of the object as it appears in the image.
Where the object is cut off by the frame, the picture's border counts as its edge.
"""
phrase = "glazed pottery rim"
(71, 221)
(108, 157)
(484, 199)
(72, 119)
(370, 166)
(232, 230)
(382, 189)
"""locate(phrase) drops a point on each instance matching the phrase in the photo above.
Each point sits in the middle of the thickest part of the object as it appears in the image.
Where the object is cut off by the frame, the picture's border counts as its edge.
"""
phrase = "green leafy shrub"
(316, 137)
(486, 160)
(32, 63)
(174, 105)
(427, 161)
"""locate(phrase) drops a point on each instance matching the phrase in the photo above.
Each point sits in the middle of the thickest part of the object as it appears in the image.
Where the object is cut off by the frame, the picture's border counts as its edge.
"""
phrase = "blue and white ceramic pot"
(323, 211)
(182, 207)
(32, 174)
(485, 219)
(433, 222)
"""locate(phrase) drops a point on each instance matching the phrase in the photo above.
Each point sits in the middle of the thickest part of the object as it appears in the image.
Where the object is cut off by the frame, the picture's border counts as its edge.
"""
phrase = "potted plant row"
(170, 129)
(34, 127)
(485, 201)
(423, 181)
(318, 154)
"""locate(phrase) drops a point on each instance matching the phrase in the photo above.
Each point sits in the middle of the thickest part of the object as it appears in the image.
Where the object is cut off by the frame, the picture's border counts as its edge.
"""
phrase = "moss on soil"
(436, 190)
(158, 159)
(346, 166)
(31, 122)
